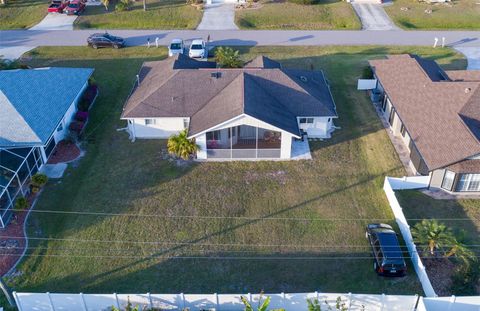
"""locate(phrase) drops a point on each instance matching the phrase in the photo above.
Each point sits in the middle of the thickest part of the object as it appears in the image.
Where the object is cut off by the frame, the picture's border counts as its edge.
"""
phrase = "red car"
(57, 6)
(75, 7)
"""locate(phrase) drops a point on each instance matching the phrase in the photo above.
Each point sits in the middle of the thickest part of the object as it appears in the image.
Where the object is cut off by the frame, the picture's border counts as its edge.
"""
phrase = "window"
(185, 123)
(392, 116)
(150, 121)
(468, 182)
(215, 135)
(306, 120)
(448, 180)
(403, 130)
(384, 103)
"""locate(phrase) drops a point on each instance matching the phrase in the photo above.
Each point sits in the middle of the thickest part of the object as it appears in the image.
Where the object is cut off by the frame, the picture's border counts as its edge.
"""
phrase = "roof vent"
(304, 79)
(216, 75)
(467, 90)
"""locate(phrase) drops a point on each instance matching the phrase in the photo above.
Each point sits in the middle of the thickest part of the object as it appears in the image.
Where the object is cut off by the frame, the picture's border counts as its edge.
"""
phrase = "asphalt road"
(32, 38)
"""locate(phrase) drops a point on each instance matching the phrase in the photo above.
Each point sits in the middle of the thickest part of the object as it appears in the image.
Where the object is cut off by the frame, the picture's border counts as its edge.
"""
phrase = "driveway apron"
(373, 16)
(218, 16)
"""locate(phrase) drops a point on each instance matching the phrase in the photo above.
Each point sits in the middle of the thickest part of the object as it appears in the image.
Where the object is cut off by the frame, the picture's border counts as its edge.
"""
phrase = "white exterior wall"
(320, 128)
(286, 146)
(201, 141)
(67, 118)
(162, 129)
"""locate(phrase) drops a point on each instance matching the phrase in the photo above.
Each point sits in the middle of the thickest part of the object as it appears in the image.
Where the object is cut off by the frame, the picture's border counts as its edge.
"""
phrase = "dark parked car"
(387, 254)
(75, 7)
(101, 40)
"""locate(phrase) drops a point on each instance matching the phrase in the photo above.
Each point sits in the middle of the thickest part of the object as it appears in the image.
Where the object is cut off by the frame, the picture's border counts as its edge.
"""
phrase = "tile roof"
(212, 96)
(34, 101)
(431, 110)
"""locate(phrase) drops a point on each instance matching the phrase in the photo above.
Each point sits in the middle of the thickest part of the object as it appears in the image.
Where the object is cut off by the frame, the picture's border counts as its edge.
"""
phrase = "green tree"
(181, 146)
(262, 306)
(434, 238)
(21, 203)
(227, 57)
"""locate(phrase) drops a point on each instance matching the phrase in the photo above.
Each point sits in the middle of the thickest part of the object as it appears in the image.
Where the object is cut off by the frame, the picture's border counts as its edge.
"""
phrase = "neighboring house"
(36, 106)
(437, 115)
(249, 113)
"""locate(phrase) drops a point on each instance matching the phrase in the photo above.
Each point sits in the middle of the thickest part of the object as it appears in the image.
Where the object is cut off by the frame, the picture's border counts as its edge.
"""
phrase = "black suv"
(387, 254)
(101, 40)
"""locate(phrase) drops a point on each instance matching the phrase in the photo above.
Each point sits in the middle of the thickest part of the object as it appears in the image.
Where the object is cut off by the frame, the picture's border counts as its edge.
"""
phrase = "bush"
(39, 180)
(76, 126)
(21, 204)
(304, 2)
(367, 73)
(81, 116)
(227, 57)
(123, 5)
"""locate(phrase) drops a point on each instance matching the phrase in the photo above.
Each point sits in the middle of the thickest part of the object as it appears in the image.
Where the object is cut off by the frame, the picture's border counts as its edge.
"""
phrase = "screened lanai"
(17, 165)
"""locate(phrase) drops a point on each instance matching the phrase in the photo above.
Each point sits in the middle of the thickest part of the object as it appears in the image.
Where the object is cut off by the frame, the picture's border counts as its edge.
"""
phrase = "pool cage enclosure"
(17, 166)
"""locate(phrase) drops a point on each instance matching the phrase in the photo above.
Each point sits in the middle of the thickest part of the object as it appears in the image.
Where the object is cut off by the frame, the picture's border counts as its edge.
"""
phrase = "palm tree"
(262, 306)
(227, 58)
(434, 238)
(105, 4)
(181, 146)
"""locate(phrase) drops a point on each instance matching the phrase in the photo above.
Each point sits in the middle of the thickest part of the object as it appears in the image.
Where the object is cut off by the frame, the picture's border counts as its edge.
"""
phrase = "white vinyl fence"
(408, 183)
(466, 303)
(222, 302)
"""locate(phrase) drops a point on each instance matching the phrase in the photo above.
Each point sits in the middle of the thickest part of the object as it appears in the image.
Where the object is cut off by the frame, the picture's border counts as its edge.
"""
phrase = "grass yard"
(22, 13)
(458, 14)
(160, 14)
(327, 14)
(463, 216)
(259, 220)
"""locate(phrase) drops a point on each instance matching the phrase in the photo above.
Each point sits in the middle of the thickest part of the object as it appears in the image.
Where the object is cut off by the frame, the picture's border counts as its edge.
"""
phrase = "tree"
(105, 4)
(181, 146)
(262, 306)
(227, 58)
(435, 238)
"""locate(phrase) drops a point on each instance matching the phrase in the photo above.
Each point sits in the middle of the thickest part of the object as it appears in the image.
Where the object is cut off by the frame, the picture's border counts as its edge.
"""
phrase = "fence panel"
(407, 236)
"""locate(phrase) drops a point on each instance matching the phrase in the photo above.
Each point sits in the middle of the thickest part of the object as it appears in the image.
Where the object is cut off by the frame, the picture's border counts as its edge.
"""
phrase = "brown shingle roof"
(464, 75)
(430, 110)
(212, 96)
(465, 167)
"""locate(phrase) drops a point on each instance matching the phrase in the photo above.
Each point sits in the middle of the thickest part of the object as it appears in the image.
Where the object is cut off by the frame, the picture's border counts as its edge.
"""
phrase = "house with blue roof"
(36, 108)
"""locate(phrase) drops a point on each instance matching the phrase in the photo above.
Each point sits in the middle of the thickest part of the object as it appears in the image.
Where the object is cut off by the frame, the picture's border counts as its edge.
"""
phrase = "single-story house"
(436, 114)
(36, 108)
(252, 112)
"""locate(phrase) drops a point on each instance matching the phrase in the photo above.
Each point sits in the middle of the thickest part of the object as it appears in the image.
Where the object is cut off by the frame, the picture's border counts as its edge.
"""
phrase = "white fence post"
(383, 302)
(283, 301)
(116, 299)
(183, 301)
(452, 302)
(349, 301)
(83, 302)
(150, 300)
(217, 302)
(52, 307)
(415, 303)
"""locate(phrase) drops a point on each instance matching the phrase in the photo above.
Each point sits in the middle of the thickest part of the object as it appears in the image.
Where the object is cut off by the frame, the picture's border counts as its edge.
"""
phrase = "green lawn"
(327, 14)
(160, 14)
(458, 14)
(22, 13)
(463, 216)
(275, 208)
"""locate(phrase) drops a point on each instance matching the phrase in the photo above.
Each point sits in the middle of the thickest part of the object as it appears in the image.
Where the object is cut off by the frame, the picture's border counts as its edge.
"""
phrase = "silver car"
(175, 47)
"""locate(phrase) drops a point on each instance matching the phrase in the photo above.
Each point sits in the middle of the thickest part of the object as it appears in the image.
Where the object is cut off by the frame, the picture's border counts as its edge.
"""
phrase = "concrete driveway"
(373, 16)
(218, 16)
(56, 21)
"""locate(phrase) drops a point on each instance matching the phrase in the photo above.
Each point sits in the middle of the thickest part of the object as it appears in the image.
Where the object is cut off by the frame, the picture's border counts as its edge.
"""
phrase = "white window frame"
(468, 183)
(306, 120)
(448, 180)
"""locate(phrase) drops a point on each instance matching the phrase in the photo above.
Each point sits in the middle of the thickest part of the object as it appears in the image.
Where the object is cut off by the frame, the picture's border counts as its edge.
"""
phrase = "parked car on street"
(75, 7)
(387, 255)
(175, 47)
(197, 49)
(102, 40)
(57, 6)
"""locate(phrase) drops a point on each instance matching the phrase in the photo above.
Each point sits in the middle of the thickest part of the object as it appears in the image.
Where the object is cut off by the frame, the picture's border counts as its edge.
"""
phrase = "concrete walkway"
(56, 21)
(373, 16)
(218, 16)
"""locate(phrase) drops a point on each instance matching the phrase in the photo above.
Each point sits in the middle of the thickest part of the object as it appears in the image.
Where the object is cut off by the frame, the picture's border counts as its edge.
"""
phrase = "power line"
(225, 217)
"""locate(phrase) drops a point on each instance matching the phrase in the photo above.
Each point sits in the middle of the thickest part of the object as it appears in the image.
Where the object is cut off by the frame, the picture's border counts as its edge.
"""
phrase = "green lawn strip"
(22, 13)
(458, 14)
(160, 14)
(284, 15)
(344, 181)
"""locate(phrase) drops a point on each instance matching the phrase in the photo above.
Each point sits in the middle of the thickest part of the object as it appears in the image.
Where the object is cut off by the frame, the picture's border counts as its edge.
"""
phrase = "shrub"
(21, 203)
(227, 57)
(367, 73)
(304, 2)
(39, 180)
(84, 105)
(76, 126)
(90, 93)
(123, 5)
(81, 116)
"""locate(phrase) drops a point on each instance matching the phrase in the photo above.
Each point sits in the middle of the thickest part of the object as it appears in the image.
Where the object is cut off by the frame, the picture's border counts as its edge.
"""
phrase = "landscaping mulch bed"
(64, 152)
(440, 272)
(12, 248)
